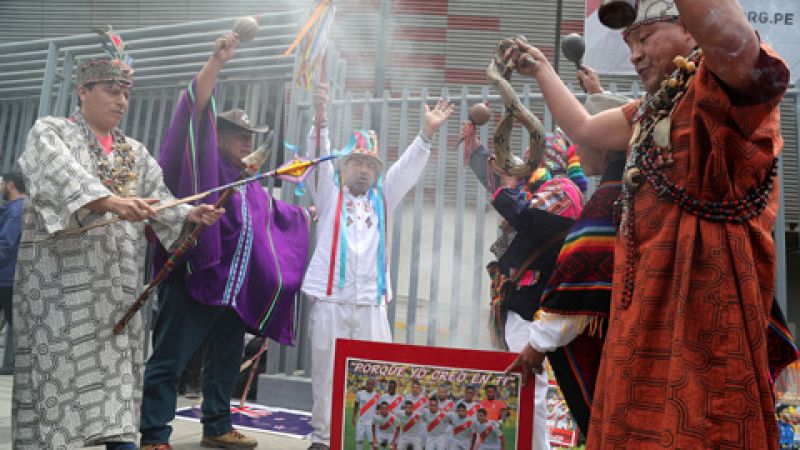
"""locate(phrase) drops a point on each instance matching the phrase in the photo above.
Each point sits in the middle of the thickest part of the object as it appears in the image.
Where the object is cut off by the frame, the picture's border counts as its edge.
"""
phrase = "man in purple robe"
(243, 275)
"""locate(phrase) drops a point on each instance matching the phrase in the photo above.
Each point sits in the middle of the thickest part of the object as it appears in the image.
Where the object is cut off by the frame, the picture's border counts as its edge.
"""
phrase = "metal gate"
(439, 236)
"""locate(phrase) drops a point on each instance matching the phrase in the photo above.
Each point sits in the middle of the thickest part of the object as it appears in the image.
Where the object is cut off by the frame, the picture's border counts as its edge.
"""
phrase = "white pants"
(518, 334)
(488, 446)
(459, 445)
(327, 322)
(437, 443)
(364, 431)
(406, 442)
(383, 436)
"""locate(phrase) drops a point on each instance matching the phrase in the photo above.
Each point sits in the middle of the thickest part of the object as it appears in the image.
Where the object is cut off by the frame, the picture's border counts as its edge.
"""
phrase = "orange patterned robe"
(685, 365)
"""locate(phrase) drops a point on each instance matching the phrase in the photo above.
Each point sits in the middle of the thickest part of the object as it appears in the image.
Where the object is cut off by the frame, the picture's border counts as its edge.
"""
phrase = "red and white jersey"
(395, 402)
(488, 432)
(409, 424)
(472, 408)
(384, 424)
(462, 428)
(367, 404)
(420, 402)
(436, 424)
(446, 404)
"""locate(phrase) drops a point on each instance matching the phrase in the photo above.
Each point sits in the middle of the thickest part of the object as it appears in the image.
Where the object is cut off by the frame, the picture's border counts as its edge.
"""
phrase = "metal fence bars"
(439, 237)
(37, 78)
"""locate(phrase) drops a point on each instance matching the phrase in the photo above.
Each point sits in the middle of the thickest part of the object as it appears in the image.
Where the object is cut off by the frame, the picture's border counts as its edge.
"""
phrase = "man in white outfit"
(363, 412)
(488, 433)
(383, 425)
(463, 428)
(347, 280)
(406, 434)
(437, 427)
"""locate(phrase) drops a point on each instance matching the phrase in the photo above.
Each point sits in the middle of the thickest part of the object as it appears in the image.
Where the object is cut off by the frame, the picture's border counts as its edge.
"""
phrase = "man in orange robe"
(685, 363)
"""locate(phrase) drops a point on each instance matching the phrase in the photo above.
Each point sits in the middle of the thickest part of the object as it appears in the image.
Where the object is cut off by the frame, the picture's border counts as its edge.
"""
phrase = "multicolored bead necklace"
(651, 152)
(122, 175)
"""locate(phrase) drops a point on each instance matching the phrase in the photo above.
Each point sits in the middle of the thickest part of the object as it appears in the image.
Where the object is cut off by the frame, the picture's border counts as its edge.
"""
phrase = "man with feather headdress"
(76, 383)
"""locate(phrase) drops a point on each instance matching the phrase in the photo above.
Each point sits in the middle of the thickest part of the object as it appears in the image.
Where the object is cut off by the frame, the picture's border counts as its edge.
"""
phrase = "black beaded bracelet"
(425, 138)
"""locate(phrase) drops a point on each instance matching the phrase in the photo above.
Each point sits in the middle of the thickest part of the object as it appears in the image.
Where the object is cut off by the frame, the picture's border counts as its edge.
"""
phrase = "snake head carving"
(499, 73)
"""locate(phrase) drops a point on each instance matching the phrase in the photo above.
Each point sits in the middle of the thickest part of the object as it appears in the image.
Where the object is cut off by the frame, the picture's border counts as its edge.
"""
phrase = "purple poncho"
(254, 257)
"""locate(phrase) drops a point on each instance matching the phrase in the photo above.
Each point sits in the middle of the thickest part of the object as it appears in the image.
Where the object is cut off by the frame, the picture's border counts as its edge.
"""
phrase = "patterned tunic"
(685, 365)
(76, 383)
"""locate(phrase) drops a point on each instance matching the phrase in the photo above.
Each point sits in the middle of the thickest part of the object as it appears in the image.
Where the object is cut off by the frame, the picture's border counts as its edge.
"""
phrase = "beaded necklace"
(122, 175)
(651, 152)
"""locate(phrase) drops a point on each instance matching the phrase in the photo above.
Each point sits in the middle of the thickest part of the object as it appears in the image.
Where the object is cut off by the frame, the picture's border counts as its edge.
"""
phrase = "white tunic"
(361, 264)
(76, 383)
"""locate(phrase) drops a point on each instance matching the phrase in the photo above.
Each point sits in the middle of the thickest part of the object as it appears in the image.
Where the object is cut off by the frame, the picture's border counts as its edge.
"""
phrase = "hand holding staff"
(294, 169)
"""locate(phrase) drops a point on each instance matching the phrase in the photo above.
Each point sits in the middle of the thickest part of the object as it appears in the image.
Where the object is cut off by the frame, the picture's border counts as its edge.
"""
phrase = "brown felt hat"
(238, 118)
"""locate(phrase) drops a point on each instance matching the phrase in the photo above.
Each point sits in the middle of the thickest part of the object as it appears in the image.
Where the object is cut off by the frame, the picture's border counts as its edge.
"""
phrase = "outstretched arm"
(593, 161)
(320, 184)
(405, 172)
(604, 131)
(224, 49)
(729, 42)
(548, 332)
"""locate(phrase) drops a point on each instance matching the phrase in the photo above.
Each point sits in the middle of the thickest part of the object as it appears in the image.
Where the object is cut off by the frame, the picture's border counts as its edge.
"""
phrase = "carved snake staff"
(499, 73)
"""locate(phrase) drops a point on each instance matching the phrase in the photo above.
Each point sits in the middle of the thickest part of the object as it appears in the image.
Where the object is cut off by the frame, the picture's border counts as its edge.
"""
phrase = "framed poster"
(431, 396)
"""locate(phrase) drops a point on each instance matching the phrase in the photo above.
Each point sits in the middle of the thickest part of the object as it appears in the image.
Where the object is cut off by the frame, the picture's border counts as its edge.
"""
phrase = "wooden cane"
(102, 223)
(162, 274)
(253, 369)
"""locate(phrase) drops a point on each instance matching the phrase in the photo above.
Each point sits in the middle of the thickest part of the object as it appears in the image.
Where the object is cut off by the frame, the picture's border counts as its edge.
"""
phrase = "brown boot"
(231, 439)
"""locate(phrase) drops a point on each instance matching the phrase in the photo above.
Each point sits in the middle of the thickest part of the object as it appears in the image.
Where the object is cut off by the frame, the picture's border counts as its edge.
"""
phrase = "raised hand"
(436, 117)
(133, 209)
(589, 80)
(204, 214)
(529, 59)
(321, 101)
(225, 46)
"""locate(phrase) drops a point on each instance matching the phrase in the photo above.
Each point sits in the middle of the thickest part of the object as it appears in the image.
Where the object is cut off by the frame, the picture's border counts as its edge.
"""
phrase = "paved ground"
(186, 435)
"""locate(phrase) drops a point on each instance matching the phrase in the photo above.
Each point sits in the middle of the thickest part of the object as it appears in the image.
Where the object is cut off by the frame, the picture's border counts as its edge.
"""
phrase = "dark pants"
(7, 365)
(182, 326)
(6, 294)
(192, 378)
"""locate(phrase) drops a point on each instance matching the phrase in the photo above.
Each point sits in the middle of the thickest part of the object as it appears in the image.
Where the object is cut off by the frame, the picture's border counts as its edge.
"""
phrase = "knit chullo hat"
(560, 158)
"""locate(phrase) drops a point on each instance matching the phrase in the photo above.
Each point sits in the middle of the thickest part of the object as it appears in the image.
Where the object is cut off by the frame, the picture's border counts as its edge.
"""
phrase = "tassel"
(468, 137)
(336, 225)
(596, 327)
(342, 242)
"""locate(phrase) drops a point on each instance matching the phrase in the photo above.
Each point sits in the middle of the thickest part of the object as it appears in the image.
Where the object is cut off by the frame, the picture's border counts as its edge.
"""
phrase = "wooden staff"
(102, 223)
(191, 239)
(322, 75)
(295, 168)
(162, 274)
(253, 369)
